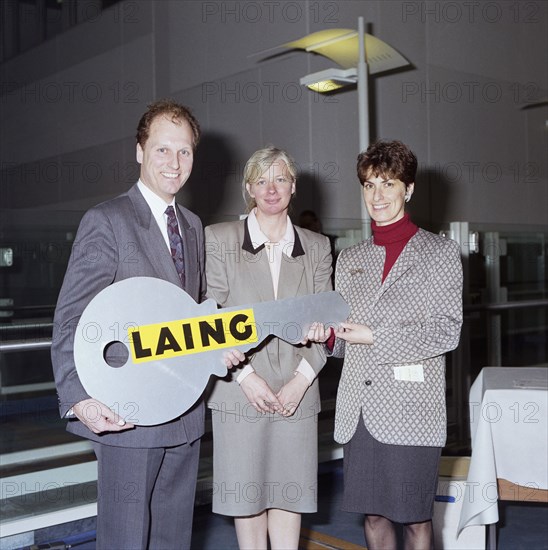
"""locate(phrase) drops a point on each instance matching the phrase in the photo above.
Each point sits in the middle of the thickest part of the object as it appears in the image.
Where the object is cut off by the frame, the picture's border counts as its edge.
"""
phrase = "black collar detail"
(247, 245)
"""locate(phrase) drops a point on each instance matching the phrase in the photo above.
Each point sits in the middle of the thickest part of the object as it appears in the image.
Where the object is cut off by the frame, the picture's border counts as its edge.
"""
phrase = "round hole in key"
(115, 354)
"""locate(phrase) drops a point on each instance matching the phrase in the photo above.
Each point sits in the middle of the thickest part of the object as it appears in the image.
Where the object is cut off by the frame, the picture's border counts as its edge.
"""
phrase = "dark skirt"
(398, 482)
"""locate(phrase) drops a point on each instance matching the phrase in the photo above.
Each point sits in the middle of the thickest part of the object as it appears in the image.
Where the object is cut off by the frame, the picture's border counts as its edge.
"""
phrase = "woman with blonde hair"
(265, 414)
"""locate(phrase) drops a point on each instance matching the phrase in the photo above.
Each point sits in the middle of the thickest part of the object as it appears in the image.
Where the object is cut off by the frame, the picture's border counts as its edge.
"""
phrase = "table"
(509, 430)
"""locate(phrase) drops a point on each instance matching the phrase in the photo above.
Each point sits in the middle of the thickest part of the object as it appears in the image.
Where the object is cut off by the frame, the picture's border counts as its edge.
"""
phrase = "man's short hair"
(173, 111)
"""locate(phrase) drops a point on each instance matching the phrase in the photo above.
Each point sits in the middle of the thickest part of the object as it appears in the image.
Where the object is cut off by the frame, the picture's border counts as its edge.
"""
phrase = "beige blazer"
(416, 317)
(238, 274)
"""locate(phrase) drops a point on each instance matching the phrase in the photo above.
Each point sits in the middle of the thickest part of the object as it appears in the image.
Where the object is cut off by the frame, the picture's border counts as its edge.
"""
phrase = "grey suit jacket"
(239, 274)
(416, 317)
(116, 240)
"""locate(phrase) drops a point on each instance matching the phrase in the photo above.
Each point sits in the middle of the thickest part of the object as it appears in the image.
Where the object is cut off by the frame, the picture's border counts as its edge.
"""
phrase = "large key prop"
(168, 346)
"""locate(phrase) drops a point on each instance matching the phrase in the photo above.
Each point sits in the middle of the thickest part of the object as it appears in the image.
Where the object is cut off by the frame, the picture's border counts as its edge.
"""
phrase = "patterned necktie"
(175, 243)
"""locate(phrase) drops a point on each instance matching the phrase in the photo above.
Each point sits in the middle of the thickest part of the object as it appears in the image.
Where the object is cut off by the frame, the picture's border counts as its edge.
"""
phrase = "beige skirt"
(262, 462)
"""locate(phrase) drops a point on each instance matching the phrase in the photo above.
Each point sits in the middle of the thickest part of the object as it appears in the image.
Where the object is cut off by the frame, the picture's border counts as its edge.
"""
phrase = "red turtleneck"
(393, 237)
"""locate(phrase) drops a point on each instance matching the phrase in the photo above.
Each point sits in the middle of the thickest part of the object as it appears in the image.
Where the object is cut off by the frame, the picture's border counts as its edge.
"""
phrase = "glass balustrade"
(505, 323)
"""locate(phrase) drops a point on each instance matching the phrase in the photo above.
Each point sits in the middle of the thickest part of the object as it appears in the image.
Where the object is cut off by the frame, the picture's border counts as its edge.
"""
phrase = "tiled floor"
(522, 526)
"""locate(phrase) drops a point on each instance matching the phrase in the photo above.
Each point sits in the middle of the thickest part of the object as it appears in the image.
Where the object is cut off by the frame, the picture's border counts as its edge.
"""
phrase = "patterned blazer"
(237, 274)
(416, 317)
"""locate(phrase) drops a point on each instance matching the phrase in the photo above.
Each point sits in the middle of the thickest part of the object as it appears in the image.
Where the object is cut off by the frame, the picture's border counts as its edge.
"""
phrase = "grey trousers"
(146, 496)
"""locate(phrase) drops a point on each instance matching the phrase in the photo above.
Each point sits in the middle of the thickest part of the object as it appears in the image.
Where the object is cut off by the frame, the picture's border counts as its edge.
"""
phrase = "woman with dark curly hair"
(404, 288)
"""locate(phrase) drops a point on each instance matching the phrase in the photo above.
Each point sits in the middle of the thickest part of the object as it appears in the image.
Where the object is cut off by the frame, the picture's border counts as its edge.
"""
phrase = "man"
(146, 475)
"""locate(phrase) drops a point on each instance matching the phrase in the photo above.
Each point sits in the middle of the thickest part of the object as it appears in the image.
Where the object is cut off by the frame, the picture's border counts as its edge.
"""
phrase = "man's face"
(166, 157)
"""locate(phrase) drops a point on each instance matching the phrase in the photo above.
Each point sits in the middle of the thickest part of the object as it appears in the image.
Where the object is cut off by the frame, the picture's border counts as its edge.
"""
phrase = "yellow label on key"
(194, 335)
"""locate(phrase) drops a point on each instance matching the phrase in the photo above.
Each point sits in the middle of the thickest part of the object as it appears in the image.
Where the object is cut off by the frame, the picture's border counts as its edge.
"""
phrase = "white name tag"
(409, 373)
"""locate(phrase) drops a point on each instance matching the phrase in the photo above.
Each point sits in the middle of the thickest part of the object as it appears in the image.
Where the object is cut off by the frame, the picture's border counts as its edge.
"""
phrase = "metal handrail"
(25, 326)
(45, 343)
(45, 307)
(25, 345)
(520, 304)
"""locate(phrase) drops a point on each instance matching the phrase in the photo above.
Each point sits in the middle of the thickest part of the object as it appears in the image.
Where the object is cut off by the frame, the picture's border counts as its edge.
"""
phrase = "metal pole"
(460, 374)
(492, 253)
(363, 115)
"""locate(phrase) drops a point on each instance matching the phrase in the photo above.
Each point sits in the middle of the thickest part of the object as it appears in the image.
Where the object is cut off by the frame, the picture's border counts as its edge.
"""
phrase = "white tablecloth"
(509, 429)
